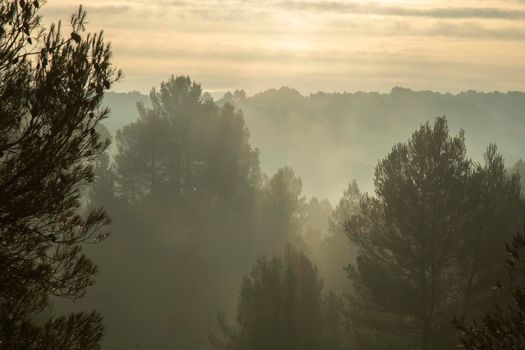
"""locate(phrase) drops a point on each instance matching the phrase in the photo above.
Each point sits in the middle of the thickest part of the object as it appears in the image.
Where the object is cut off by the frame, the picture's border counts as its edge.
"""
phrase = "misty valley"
(274, 219)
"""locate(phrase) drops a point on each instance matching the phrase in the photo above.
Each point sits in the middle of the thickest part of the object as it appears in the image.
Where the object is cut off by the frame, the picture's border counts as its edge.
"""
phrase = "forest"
(280, 221)
(348, 128)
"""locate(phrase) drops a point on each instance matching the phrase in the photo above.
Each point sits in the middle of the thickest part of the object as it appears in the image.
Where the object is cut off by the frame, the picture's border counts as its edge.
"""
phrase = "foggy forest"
(160, 193)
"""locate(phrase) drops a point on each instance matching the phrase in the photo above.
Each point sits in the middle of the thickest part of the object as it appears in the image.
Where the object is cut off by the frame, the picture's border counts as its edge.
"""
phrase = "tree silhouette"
(185, 146)
(185, 181)
(503, 327)
(425, 242)
(519, 168)
(51, 87)
(336, 250)
(283, 209)
(279, 306)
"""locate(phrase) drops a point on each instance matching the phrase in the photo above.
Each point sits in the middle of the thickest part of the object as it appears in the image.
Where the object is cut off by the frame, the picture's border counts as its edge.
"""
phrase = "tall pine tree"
(422, 251)
(51, 87)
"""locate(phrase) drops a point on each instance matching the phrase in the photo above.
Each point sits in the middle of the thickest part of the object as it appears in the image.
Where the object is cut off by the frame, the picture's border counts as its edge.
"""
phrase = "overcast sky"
(313, 45)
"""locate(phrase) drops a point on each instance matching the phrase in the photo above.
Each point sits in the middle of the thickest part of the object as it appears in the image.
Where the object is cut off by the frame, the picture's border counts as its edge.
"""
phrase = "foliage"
(51, 87)
(425, 242)
(336, 250)
(185, 146)
(283, 209)
(503, 327)
(187, 196)
(316, 221)
(281, 306)
(519, 168)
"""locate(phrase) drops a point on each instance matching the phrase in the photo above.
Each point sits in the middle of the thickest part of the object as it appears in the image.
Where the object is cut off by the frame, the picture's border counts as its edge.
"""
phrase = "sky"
(312, 45)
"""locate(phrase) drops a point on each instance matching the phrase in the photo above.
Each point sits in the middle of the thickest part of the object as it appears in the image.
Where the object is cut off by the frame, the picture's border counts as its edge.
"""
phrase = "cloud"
(108, 10)
(377, 9)
(475, 31)
(65, 11)
(312, 44)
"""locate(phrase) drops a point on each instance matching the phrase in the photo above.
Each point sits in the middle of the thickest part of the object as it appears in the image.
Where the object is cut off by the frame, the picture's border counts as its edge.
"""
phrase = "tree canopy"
(279, 306)
(501, 327)
(187, 196)
(51, 87)
(425, 241)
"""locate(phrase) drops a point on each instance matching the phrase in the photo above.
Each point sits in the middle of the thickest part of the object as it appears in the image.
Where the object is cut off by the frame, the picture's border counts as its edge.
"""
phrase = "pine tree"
(503, 327)
(279, 306)
(51, 87)
(426, 240)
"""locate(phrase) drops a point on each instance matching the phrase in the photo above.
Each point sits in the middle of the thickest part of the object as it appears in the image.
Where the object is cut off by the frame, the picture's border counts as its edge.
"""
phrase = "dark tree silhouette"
(51, 87)
(279, 306)
(425, 242)
(503, 327)
(185, 182)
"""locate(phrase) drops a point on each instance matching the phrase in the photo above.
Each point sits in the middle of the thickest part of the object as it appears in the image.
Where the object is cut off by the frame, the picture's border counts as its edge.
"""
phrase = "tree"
(51, 87)
(192, 202)
(495, 211)
(283, 210)
(185, 182)
(185, 146)
(503, 326)
(421, 254)
(316, 221)
(519, 168)
(336, 250)
(335, 325)
(101, 191)
(279, 306)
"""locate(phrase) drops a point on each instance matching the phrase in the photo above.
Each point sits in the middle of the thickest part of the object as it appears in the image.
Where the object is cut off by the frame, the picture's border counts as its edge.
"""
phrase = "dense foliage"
(187, 196)
(502, 327)
(281, 306)
(193, 209)
(426, 240)
(51, 87)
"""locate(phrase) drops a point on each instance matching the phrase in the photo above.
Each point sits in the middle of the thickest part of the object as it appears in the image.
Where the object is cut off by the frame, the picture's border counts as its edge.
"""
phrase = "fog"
(333, 138)
(264, 171)
(325, 214)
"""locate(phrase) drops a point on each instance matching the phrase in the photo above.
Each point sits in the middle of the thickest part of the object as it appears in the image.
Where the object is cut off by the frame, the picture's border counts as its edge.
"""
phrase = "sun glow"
(365, 44)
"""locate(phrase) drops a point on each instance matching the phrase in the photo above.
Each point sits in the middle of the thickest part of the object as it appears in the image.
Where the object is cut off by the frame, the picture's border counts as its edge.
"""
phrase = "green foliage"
(519, 168)
(336, 250)
(336, 329)
(187, 196)
(315, 227)
(503, 327)
(51, 87)
(281, 307)
(75, 331)
(185, 146)
(283, 209)
(425, 242)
